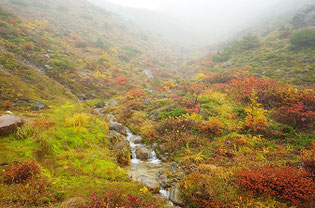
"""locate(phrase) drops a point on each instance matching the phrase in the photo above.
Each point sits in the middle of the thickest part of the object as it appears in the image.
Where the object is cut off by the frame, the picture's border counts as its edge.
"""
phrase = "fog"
(197, 23)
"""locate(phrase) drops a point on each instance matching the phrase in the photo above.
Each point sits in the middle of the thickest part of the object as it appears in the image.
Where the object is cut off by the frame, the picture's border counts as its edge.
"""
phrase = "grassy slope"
(274, 58)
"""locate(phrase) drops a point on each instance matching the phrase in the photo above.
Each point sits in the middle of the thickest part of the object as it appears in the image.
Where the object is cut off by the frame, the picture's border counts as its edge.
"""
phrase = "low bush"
(174, 113)
(289, 184)
(21, 172)
(212, 127)
(37, 192)
(209, 187)
(297, 115)
(115, 199)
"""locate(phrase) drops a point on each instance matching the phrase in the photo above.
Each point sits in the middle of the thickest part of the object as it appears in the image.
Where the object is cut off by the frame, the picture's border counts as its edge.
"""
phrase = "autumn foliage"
(21, 172)
(115, 199)
(212, 127)
(122, 80)
(289, 184)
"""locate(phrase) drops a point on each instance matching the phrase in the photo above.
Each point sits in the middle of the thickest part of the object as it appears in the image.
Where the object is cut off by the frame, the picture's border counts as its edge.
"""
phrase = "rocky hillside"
(82, 47)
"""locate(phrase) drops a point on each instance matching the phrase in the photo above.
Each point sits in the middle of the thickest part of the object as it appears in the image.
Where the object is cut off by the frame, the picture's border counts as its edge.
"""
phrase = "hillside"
(278, 53)
(81, 47)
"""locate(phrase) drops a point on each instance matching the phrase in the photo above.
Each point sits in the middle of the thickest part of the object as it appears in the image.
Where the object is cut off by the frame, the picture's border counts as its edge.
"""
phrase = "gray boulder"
(118, 128)
(142, 153)
(175, 196)
(148, 73)
(9, 124)
(111, 103)
(124, 144)
(136, 139)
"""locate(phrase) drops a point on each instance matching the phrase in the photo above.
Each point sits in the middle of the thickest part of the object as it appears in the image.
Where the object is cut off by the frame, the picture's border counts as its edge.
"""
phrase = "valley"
(95, 112)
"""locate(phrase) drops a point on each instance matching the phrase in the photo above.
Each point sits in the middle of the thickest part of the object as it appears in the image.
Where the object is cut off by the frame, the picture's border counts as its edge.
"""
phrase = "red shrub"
(122, 80)
(189, 104)
(299, 115)
(242, 87)
(7, 104)
(178, 125)
(21, 172)
(289, 184)
(116, 199)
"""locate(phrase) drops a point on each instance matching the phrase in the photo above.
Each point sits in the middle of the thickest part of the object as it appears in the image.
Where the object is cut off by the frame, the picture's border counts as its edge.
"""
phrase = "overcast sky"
(162, 4)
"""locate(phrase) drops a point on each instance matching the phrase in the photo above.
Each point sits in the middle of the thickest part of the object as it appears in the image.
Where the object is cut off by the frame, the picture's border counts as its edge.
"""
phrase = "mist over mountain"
(201, 23)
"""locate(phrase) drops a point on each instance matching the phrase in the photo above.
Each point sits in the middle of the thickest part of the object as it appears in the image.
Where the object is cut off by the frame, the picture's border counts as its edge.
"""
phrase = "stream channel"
(145, 172)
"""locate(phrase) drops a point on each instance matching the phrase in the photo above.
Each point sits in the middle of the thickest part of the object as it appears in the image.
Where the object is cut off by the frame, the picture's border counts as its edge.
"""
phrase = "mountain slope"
(84, 48)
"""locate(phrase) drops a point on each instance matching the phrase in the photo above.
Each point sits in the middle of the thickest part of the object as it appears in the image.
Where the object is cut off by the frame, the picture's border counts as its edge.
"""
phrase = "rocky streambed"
(146, 168)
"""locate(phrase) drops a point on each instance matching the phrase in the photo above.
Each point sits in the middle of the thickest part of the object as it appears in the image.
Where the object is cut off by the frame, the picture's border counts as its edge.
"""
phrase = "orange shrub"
(136, 93)
(122, 80)
(7, 104)
(212, 127)
(293, 185)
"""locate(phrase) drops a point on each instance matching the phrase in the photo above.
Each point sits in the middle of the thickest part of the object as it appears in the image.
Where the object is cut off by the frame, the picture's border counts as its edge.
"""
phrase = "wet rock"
(136, 139)
(175, 196)
(142, 153)
(160, 156)
(161, 172)
(111, 103)
(33, 104)
(47, 56)
(9, 124)
(48, 67)
(115, 133)
(122, 145)
(74, 202)
(148, 73)
(106, 104)
(118, 128)
(86, 97)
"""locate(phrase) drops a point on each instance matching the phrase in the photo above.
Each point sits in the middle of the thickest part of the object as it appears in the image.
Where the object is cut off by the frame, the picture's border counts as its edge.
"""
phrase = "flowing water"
(145, 172)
